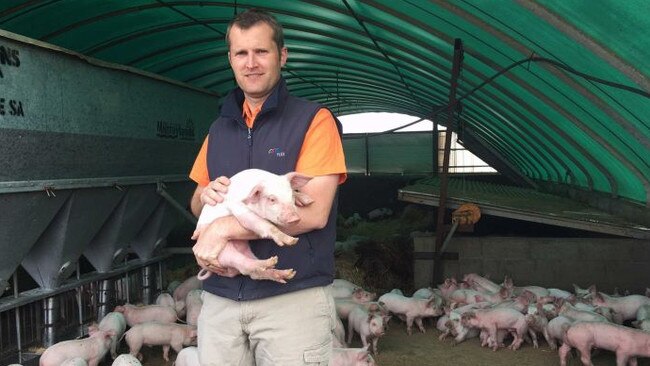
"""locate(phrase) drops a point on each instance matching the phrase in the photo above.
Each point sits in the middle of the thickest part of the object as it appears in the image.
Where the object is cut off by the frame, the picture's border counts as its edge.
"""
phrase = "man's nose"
(251, 61)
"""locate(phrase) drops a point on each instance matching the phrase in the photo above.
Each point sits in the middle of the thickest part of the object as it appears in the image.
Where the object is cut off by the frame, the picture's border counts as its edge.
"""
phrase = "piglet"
(413, 309)
(370, 327)
(351, 357)
(180, 293)
(499, 318)
(188, 356)
(126, 360)
(625, 307)
(556, 329)
(165, 299)
(160, 334)
(628, 343)
(193, 304)
(146, 313)
(91, 349)
(77, 361)
(116, 323)
(643, 318)
(258, 199)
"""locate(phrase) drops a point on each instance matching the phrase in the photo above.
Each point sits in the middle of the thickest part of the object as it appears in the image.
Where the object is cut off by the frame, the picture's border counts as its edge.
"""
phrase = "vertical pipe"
(366, 140)
(79, 302)
(440, 234)
(17, 314)
(146, 282)
(159, 285)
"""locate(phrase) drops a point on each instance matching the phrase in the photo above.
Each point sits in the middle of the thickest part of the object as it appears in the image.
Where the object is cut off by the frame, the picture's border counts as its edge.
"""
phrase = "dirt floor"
(399, 349)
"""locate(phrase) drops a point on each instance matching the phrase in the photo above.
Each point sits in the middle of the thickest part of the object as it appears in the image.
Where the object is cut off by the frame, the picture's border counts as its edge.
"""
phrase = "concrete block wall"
(548, 262)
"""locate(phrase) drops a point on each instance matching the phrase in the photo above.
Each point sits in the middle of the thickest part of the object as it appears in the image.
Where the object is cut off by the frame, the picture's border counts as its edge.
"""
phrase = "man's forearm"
(229, 228)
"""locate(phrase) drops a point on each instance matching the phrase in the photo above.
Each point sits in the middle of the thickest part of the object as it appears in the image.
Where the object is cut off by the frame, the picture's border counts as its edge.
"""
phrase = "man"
(243, 321)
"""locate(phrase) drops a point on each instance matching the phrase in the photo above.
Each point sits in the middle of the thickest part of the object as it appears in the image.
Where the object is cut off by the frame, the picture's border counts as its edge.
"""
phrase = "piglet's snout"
(291, 217)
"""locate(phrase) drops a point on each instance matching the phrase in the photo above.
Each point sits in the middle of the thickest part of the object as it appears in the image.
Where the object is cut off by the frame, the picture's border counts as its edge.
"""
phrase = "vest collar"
(234, 101)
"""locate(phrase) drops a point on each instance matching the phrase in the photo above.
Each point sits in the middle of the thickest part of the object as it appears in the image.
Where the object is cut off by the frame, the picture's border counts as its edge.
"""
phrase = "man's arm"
(321, 189)
(210, 194)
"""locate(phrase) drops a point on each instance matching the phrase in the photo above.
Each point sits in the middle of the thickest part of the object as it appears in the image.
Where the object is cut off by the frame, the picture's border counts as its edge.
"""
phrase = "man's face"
(255, 61)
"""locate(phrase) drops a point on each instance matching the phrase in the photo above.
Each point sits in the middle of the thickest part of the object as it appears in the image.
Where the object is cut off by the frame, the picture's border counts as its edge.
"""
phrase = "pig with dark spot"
(160, 334)
(259, 200)
(147, 313)
(91, 349)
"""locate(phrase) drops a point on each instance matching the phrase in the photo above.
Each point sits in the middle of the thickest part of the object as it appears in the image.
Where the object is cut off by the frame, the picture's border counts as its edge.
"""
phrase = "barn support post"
(440, 220)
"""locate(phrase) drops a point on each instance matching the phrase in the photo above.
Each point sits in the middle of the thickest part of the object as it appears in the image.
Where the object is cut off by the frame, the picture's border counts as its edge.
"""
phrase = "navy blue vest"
(273, 144)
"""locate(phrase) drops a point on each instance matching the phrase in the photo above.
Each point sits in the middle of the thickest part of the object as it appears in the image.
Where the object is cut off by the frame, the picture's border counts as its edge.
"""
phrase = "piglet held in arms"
(259, 200)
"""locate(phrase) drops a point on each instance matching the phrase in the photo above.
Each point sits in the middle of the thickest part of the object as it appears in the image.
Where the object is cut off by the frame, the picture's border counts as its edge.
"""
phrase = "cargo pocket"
(320, 355)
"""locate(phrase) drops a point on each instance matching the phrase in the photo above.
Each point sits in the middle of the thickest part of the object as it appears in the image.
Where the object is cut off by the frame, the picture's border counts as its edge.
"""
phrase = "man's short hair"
(253, 16)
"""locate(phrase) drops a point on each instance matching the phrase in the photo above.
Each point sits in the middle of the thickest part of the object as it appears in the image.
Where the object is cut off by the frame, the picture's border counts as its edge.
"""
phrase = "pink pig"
(625, 307)
(91, 349)
(499, 318)
(412, 309)
(116, 323)
(193, 304)
(258, 199)
(160, 334)
(188, 356)
(147, 313)
(628, 343)
(370, 327)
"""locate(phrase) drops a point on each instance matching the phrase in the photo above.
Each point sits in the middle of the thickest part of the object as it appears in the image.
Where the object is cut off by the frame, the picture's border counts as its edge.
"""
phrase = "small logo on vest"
(277, 152)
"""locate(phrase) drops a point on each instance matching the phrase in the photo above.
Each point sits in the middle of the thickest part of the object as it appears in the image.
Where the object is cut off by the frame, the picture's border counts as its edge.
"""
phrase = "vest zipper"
(250, 137)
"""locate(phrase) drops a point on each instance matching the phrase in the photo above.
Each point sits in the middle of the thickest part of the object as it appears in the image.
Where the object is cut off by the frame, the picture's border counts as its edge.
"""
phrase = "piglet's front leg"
(260, 226)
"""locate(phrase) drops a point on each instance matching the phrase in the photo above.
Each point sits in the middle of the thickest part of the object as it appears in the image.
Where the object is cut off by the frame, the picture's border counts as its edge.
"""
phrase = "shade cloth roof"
(573, 110)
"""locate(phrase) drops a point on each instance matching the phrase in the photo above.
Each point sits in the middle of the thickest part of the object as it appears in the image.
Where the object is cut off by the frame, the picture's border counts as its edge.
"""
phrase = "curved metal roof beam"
(520, 160)
(527, 149)
(352, 95)
(598, 101)
(581, 38)
(516, 45)
(513, 78)
(519, 133)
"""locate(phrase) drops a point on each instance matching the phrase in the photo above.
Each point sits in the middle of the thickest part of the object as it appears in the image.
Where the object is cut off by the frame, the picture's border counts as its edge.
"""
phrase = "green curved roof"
(541, 120)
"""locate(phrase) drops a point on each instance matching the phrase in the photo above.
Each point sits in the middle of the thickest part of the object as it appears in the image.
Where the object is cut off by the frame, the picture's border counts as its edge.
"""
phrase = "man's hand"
(209, 245)
(210, 194)
(214, 191)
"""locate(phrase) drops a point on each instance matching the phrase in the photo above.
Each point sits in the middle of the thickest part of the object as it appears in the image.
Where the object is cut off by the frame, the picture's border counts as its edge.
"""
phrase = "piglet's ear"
(254, 195)
(297, 180)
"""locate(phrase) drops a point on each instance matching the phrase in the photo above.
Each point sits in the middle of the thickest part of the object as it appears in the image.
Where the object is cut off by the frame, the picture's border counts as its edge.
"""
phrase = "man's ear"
(254, 195)
(297, 180)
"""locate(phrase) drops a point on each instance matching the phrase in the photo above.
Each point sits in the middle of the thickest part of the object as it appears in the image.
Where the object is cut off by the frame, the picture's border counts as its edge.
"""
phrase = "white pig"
(188, 356)
(91, 349)
(181, 291)
(413, 309)
(146, 313)
(160, 334)
(351, 357)
(628, 343)
(77, 361)
(369, 326)
(165, 299)
(193, 305)
(116, 323)
(258, 199)
(126, 360)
